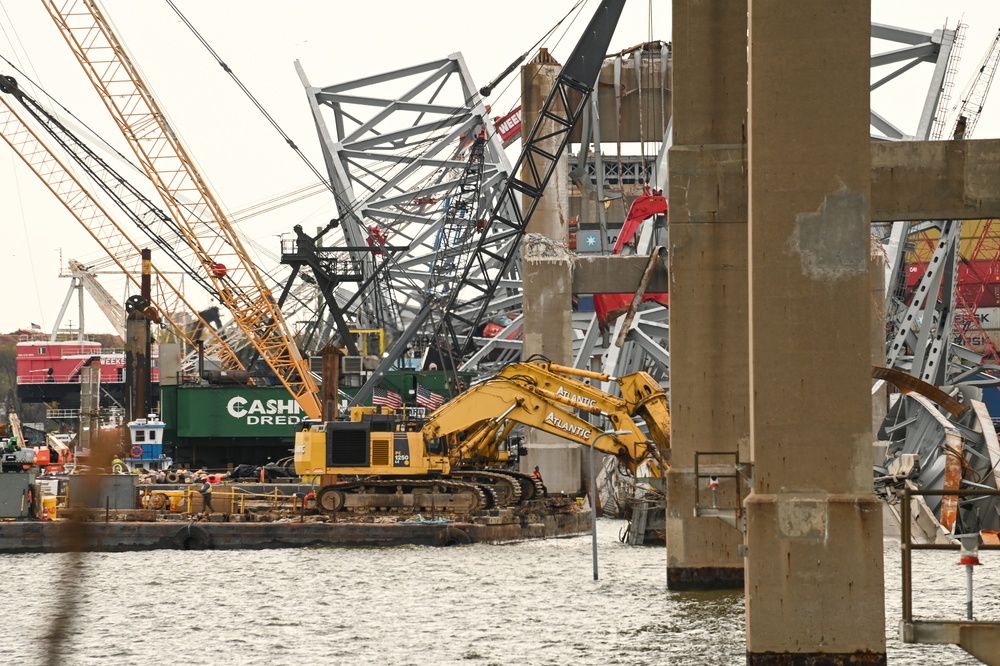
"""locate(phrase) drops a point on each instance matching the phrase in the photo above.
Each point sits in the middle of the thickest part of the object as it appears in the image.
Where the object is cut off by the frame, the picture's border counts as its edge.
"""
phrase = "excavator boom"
(548, 397)
(385, 461)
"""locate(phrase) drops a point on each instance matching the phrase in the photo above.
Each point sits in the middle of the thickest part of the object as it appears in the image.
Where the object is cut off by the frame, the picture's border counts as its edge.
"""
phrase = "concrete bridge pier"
(709, 365)
(814, 576)
(547, 287)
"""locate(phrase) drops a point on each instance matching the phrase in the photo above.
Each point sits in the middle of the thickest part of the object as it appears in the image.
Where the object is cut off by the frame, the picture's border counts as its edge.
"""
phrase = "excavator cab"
(371, 447)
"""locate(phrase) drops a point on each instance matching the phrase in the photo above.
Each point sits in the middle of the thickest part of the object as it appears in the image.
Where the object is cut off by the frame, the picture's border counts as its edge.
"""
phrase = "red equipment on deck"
(611, 306)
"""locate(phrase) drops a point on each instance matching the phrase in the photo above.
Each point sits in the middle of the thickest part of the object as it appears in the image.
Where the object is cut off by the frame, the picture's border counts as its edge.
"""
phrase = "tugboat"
(146, 436)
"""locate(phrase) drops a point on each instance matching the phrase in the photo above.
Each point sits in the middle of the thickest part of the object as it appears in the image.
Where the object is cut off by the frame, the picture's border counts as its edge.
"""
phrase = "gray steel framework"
(924, 438)
(380, 174)
(395, 147)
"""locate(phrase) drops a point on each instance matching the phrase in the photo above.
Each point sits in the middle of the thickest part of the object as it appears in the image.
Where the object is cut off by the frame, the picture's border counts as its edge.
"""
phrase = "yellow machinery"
(449, 461)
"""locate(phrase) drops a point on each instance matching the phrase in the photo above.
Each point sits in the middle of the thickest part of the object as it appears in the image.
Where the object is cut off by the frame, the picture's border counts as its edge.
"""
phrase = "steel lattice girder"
(393, 144)
(373, 175)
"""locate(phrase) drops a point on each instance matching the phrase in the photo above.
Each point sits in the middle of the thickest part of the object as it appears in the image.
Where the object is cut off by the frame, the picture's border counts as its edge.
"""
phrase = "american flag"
(427, 398)
(386, 398)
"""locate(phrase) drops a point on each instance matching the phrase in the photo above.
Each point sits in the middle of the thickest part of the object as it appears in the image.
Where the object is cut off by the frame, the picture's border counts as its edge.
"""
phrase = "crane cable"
(338, 196)
(250, 96)
(347, 204)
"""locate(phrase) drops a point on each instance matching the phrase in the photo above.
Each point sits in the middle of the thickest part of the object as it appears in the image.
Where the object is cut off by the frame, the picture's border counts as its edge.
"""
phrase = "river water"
(524, 603)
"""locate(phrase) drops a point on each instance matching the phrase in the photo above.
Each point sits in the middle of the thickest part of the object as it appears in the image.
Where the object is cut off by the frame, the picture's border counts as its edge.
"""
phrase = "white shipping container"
(988, 318)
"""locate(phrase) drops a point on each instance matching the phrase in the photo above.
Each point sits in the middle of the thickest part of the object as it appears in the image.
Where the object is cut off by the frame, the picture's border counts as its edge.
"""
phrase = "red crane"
(610, 306)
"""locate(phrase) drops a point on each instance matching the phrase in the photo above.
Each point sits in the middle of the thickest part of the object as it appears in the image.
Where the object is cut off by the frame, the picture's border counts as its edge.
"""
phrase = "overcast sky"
(244, 159)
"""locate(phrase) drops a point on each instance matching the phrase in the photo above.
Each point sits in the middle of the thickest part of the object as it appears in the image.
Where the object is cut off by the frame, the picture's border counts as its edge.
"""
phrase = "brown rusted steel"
(907, 383)
(647, 275)
(906, 548)
(815, 658)
(331, 356)
(705, 578)
(953, 463)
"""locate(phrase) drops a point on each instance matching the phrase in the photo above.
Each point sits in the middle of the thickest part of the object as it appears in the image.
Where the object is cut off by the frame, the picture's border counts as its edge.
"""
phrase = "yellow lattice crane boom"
(202, 221)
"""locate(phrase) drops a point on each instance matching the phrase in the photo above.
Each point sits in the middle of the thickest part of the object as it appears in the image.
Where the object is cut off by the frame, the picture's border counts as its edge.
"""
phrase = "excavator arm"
(518, 395)
(387, 461)
(641, 395)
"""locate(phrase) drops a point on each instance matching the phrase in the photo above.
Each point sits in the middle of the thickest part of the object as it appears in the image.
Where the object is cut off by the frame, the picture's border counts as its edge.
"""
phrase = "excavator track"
(504, 486)
(403, 494)
(531, 488)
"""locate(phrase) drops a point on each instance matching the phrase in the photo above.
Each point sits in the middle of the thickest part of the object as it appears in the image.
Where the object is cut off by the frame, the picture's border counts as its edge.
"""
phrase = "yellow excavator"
(450, 461)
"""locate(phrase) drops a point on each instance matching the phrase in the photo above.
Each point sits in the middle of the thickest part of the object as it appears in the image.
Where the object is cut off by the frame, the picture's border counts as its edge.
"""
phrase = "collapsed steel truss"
(938, 433)
(395, 163)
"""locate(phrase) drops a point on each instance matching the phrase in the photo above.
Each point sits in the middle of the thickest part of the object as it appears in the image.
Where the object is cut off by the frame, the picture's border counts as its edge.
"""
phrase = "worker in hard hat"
(206, 497)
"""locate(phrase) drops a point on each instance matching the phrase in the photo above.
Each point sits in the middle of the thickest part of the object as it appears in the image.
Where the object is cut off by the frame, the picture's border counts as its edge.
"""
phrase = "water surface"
(526, 603)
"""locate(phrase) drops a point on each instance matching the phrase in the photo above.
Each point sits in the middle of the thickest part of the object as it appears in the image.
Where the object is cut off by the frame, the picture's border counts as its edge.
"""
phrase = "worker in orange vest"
(538, 476)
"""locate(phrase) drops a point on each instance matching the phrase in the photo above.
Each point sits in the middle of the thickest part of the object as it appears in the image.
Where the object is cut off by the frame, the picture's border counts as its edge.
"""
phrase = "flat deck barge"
(141, 530)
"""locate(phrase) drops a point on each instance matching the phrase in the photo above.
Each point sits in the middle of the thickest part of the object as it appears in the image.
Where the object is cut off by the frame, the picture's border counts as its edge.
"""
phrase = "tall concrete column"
(547, 288)
(709, 369)
(814, 575)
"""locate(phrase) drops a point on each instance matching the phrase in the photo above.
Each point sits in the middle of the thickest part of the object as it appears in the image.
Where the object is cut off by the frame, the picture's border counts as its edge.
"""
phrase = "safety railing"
(712, 475)
(969, 634)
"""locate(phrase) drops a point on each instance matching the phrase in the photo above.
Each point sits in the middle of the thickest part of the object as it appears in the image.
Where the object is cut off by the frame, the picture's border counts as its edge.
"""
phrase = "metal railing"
(980, 639)
(908, 547)
(714, 474)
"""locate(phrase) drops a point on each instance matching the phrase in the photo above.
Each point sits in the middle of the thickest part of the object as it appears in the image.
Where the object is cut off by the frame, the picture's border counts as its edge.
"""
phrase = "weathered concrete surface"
(814, 574)
(709, 370)
(121, 536)
(935, 180)
(547, 274)
(910, 180)
(708, 184)
(808, 593)
(616, 275)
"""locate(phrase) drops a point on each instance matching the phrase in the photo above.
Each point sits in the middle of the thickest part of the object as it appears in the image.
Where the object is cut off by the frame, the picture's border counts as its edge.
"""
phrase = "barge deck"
(142, 530)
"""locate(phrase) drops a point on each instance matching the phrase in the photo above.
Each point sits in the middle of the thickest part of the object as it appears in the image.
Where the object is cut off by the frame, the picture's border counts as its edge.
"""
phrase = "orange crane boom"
(204, 224)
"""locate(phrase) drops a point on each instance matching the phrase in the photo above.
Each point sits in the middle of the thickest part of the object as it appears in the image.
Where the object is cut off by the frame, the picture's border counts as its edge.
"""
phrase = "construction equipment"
(206, 229)
(609, 306)
(454, 316)
(379, 460)
(221, 255)
(121, 248)
(17, 455)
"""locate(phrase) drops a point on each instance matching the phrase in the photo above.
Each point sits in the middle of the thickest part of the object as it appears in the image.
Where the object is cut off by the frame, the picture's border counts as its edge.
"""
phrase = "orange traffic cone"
(45, 513)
